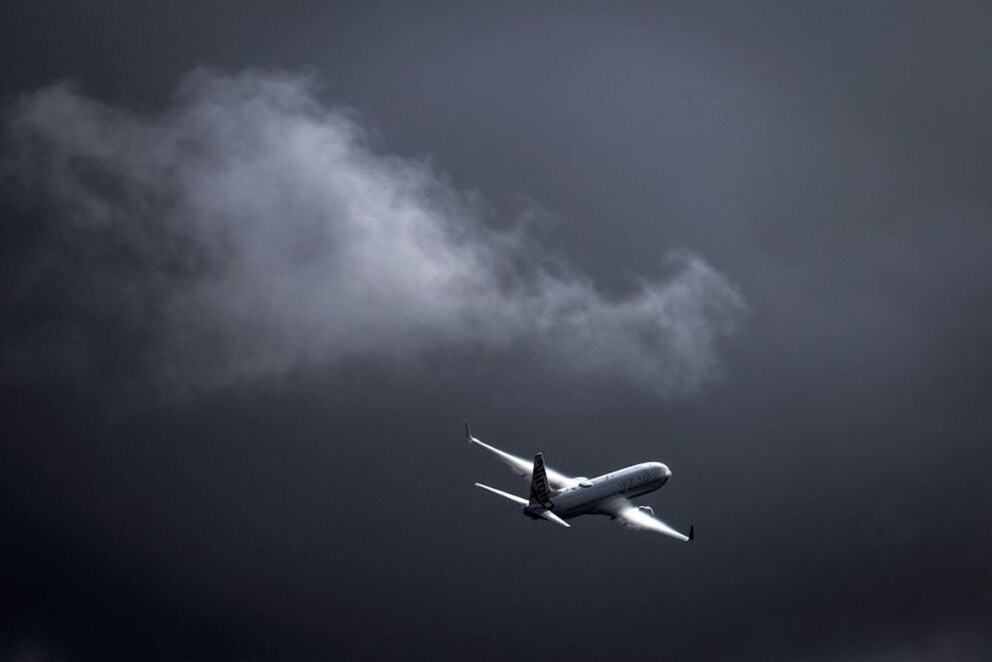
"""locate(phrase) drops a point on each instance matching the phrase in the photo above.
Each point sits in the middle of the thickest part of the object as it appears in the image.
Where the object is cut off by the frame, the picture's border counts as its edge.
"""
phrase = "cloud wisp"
(250, 229)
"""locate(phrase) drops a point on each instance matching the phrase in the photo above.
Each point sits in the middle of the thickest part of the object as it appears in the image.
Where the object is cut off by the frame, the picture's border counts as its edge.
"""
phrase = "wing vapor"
(630, 515)
(523, 468)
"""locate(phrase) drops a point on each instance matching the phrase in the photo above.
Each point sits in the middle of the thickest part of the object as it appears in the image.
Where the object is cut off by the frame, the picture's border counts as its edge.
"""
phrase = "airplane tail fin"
(540, 492)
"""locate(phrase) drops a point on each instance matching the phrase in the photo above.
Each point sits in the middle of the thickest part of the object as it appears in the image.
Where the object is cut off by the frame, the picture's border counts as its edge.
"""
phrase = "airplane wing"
(641, 519)
(520, 466)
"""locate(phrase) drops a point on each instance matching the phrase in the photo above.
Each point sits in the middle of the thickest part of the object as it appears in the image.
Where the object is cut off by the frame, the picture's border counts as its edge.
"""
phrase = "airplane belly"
(573, 504)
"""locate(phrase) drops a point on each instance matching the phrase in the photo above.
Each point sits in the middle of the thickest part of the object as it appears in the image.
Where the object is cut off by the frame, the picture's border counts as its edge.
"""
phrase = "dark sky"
(257, 265)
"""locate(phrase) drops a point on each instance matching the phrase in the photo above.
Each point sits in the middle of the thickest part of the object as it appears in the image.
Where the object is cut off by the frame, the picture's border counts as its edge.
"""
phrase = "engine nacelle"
(646, 509)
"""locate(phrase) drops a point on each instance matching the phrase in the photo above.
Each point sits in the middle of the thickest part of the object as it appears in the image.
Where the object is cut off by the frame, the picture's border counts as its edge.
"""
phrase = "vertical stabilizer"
(540, 492)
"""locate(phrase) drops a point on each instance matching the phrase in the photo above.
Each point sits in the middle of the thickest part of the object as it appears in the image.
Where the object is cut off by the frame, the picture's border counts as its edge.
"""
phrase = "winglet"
(692, 533)
(468, 433)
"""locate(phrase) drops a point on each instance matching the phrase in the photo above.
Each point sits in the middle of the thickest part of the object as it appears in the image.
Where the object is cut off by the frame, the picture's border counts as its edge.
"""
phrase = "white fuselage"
(555, 497)
(587, 494)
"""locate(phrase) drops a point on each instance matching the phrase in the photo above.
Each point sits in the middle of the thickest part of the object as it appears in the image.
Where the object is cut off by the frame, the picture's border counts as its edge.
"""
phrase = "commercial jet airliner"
(555, 497)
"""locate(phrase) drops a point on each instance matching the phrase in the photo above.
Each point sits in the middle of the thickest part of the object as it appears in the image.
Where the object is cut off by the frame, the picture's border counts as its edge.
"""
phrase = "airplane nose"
(666, 473)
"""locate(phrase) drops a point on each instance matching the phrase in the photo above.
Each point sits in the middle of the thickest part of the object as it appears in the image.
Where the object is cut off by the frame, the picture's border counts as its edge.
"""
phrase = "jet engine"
(646, 509)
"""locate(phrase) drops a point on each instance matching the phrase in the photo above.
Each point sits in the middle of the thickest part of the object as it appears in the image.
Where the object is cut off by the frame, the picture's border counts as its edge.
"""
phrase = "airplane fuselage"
(555, 497)
(586, 495)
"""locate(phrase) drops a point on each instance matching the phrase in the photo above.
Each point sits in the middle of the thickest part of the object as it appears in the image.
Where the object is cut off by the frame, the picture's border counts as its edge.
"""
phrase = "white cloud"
(253, 229)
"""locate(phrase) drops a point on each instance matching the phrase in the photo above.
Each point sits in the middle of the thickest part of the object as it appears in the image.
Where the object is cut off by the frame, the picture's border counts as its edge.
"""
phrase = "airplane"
(556, 497)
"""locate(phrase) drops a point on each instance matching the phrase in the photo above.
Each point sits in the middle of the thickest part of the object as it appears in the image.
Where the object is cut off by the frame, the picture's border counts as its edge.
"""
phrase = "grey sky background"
(750, 242)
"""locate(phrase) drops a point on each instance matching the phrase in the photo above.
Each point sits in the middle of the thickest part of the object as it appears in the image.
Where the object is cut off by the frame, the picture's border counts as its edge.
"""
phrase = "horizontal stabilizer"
(551, 517)
(506, 495)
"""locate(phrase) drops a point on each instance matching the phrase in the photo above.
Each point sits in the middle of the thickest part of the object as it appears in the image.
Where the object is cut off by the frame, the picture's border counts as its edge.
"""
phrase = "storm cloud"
(250, 228)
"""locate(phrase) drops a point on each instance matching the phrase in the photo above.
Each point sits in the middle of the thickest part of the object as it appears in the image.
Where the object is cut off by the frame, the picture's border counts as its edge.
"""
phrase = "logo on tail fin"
(540, 493)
